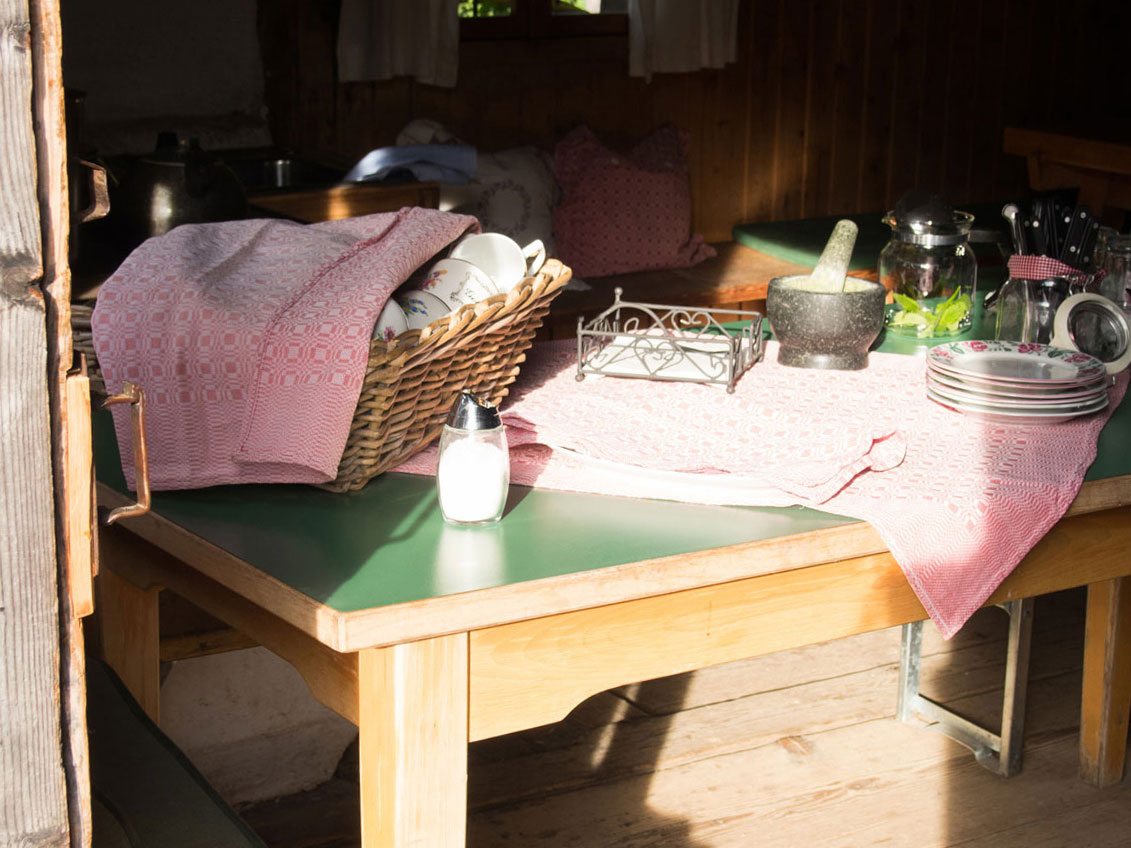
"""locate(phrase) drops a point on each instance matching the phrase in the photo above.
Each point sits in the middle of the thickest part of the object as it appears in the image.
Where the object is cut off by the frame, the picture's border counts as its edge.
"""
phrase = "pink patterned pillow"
(624, 213)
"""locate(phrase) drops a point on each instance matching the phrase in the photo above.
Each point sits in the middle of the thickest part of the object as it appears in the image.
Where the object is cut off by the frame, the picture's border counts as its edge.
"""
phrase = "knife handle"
(1070, 252)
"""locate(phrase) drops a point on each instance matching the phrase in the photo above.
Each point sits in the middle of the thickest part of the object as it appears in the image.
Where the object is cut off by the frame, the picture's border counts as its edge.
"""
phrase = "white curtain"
(382, 39)
(673, 36)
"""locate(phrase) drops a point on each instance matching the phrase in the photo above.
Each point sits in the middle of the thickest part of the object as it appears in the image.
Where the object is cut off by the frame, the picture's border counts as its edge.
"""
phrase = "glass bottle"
(1016, 313)
(1116, 284)
(473, 469)
(1026, 309)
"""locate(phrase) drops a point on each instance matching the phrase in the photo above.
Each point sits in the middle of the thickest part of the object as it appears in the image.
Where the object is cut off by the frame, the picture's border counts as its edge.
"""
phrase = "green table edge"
(801, 242)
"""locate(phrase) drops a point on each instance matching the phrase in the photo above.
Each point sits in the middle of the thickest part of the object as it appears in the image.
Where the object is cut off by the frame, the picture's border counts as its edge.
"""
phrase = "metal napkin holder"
(675, 343)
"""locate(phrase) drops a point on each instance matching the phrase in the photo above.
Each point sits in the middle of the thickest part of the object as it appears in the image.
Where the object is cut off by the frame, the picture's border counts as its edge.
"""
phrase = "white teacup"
(391, 322)
(501, 257)
(421, 308)
(457, 282)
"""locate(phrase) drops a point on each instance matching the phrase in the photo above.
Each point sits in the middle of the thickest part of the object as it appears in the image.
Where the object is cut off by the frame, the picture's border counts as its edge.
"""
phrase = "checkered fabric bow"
(1028, 267)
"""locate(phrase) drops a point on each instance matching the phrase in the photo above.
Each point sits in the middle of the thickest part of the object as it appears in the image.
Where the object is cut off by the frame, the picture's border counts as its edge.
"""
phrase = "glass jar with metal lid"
(929, 267)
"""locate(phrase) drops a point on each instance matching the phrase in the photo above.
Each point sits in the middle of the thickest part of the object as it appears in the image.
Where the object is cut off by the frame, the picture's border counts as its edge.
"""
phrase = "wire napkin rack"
(674, 343)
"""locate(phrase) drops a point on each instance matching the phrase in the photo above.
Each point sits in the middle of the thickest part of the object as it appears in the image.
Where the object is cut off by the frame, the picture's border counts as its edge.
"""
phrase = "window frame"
(535, 19)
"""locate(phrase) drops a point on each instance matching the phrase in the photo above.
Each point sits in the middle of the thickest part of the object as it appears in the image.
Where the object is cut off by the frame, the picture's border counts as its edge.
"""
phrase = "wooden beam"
(412, 703)
(127, 614)
(1107, 658)
(534, 672)
(73, 468)
(331, 676)
(33, 792)
(185, 646)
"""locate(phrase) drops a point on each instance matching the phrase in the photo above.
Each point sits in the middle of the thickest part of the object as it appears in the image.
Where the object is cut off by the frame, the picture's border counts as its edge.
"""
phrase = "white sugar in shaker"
(473, 471)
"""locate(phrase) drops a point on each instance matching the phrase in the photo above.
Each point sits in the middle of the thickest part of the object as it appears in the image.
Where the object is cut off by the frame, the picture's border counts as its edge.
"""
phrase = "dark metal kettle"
(178, 183)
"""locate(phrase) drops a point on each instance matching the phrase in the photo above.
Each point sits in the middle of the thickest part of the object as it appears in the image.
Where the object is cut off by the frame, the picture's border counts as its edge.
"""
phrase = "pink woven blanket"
(250, 339)
(958, 501)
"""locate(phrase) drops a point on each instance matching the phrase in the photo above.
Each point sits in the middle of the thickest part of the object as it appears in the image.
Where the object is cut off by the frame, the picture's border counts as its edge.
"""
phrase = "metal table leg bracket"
(998, 752)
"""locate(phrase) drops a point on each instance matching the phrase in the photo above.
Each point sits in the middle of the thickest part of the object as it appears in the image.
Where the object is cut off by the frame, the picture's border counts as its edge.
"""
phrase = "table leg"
(1107, 682)
(412, 710)
(130, 637)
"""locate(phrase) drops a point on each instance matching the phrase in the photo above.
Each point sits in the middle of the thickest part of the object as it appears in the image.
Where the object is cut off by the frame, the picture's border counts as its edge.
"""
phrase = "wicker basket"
(412, 381)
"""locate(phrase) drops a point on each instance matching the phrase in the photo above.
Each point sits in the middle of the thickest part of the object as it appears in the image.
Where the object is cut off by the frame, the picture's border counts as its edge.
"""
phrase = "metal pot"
(88, 191)
(178, 183)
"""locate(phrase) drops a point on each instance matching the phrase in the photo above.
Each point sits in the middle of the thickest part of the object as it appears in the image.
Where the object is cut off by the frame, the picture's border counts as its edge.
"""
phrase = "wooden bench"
(738, 276)
(734, 279)
(144, 791)
(1099, 169)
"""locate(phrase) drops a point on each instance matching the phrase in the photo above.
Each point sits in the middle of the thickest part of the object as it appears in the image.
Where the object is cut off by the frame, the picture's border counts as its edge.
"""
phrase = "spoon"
(1012, 213)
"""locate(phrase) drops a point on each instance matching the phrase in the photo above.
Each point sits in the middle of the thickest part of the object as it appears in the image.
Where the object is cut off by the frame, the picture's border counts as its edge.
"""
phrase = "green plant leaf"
(909, 304)
(944, 319)
(904, 318)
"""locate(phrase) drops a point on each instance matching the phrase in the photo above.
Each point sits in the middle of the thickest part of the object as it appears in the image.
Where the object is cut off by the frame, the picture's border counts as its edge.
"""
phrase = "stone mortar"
(817, 329)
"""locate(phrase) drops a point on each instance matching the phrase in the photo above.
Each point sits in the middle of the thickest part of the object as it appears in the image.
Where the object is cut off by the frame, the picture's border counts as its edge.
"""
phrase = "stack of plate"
(1016, 382)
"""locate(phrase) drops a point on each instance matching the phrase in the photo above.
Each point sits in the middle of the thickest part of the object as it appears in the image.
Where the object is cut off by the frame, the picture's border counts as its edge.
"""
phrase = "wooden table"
(429, 636)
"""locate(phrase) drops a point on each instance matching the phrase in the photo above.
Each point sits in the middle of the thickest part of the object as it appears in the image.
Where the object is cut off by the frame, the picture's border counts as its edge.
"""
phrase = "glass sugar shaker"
(473, 470)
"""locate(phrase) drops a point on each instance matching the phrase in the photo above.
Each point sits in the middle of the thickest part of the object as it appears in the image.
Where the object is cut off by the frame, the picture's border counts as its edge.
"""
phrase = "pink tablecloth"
(250, 339)
(958, 501)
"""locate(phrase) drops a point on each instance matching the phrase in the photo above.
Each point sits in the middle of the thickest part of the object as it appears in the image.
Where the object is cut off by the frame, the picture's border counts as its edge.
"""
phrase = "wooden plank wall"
(833, 106)
(33, 792)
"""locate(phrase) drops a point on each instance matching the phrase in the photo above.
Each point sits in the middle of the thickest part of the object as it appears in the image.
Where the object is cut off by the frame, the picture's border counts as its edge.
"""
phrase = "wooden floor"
(799, 748)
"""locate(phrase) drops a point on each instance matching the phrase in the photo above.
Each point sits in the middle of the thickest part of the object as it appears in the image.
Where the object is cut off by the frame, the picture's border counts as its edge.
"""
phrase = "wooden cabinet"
(344, 201)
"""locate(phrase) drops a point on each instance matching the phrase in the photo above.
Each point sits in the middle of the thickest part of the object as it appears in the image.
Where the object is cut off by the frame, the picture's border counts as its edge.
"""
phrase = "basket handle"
(135, 396)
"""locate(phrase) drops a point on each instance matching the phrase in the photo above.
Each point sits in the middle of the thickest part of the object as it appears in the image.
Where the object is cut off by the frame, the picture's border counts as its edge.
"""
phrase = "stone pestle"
(831, 272)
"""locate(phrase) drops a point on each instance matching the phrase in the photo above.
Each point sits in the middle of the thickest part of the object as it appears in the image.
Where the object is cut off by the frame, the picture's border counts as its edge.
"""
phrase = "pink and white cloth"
(958, 501)
(251, 338)
(1030, 267)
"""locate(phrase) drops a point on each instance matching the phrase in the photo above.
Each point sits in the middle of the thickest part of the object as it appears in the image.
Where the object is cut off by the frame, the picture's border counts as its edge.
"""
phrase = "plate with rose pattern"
(1015, 416)
(1019, 404)
(1020, 392)
(989, 385)
(1021, 363)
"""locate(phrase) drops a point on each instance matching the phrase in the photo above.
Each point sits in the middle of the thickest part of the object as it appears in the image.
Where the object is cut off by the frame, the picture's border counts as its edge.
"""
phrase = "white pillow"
(512, 193)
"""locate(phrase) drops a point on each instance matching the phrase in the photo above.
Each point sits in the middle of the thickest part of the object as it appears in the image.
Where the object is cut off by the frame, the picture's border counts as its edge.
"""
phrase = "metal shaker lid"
(471, 413)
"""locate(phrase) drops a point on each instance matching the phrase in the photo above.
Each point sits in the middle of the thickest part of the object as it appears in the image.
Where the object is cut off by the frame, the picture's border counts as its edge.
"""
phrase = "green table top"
(387, 543)
(801, 242)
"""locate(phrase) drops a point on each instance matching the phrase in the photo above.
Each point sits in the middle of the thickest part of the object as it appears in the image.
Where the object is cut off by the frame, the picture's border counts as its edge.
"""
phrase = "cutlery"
(1012, 214)
(1078, 227)
(1088, 244)
(1038, 230)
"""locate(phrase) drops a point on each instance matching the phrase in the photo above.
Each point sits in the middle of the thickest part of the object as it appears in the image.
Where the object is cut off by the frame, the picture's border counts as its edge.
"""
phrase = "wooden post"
(33, 791)
(412, 706)
(1107, 682)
